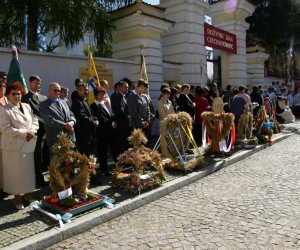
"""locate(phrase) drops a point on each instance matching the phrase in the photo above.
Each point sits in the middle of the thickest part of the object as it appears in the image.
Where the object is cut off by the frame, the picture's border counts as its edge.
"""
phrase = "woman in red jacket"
(201, 106)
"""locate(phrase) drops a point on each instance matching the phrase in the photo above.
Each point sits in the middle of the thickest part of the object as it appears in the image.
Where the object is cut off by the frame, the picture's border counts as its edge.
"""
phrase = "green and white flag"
(15, 74)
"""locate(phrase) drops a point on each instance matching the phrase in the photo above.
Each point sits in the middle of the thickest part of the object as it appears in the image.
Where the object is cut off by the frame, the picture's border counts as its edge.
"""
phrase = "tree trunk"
(32, 24)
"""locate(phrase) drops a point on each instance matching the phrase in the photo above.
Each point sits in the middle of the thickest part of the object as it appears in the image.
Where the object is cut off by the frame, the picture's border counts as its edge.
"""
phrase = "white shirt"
(290, 99)
(103, 104)
(272, 97)
(297, 99)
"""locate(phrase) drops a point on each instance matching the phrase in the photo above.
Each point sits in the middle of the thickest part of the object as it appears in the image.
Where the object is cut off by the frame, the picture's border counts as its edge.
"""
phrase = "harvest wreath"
(245, 138)
(175, 138)
(264, 127)
(245, 126)
(144, 165)
(69, 173)
(218, 127)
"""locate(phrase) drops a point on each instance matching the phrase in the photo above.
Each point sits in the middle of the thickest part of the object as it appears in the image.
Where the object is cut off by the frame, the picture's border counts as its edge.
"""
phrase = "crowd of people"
(195, 100)
(31, 122)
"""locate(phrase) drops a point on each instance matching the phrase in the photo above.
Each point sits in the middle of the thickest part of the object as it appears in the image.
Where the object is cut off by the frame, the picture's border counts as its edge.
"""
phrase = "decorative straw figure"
(68, 168)
(261, 118)
(245, 125)
(139, 158)
(217, 126)
(170, 126)
(264, 126)
(176, 136)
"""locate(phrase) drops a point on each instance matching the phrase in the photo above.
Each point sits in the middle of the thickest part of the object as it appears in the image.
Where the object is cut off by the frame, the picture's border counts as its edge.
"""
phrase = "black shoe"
(3, 194)
(41, 183)
(95, 181)
(107, 174)
(190, 152)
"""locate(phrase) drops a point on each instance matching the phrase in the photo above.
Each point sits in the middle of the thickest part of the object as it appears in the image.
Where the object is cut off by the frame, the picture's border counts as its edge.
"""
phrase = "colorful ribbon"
(177, 150)
(157, 144)
(181, 141)
(224, 149)
(189, 134)
(36, 205)
(204, 141)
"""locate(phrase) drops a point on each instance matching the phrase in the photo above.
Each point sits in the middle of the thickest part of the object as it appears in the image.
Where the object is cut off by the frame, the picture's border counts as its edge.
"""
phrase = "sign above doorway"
(219, 39)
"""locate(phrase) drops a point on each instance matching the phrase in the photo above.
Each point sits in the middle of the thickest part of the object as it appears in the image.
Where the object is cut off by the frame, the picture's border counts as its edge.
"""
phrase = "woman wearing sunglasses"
(19, 126)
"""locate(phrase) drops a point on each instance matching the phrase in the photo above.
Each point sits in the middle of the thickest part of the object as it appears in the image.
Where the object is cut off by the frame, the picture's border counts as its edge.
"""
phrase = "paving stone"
(245, 205)
(248, 205)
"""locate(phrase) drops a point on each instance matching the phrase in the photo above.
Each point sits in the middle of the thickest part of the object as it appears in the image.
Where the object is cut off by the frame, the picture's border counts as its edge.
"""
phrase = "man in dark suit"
(184, 102)
(116, 91)
(41, 154)
(138, 104)
(86, 123)
(187, 105)
(57, 116)
(121, 112)
(131, 85)
(106, 128)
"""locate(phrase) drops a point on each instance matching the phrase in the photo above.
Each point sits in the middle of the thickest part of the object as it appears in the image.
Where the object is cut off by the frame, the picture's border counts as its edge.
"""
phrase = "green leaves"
(272, 23)
(61, 21)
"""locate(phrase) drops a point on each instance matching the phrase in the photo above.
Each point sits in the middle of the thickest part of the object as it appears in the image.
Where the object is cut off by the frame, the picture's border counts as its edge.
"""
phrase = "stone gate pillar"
(139, 27)
(184, 43)
(256, 58)
(230, 16)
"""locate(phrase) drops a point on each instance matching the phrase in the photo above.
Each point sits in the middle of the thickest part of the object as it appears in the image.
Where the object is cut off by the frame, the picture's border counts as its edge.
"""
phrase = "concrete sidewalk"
(31, 230)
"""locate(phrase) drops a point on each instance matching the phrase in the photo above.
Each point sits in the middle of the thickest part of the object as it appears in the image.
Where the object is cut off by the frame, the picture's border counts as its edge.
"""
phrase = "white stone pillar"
(138, 29)
(184, 43)
(230, 16)
(256, 58)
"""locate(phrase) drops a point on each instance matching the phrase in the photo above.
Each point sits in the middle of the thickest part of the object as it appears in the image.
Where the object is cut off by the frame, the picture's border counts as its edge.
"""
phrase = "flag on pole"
(143, 73)
(93, 80)
(15, 74)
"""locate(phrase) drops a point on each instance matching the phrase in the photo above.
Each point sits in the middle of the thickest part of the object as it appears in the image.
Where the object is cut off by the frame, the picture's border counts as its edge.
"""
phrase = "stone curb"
(86, 222)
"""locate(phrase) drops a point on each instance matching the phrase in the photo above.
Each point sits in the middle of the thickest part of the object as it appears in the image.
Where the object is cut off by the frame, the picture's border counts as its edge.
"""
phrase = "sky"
(154, 2)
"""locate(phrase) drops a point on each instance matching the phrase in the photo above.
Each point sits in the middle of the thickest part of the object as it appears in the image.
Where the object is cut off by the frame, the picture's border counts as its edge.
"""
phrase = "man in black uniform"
(41, 152)
(121, 112)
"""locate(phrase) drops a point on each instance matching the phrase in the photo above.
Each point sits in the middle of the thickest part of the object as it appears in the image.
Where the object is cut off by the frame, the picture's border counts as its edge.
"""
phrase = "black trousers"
(197, 133)
(104, 144)
(85, 145)
(41, 158)
(122, 144)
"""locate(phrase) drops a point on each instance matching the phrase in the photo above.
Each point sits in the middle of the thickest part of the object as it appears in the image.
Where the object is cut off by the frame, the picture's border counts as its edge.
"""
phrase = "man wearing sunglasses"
(57, 115)
(86, 122)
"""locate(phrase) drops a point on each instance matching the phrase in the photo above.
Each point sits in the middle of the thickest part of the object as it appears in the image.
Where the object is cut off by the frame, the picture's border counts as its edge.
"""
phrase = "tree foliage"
(274, 25)
(273, 22)
(61, 21)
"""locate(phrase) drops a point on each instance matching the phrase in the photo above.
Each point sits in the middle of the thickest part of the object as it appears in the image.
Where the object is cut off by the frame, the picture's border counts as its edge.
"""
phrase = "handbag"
(24, 146)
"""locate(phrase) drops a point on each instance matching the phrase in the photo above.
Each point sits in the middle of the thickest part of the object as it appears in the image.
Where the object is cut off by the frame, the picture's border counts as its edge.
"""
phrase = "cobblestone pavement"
(16, 225)
(252, 204)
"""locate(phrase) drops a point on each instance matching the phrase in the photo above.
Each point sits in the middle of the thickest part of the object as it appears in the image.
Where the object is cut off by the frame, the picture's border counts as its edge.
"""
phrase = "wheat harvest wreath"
(145, 166)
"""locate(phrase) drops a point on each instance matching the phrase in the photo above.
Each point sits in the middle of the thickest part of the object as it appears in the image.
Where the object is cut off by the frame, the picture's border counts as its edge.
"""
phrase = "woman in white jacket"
(19, 126)
(164, 105)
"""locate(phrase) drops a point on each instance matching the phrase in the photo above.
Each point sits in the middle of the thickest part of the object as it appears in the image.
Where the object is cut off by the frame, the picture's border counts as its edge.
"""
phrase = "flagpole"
(15, 74)
(141, 47)
(143, 70)
(93, 78)
(88, 50)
